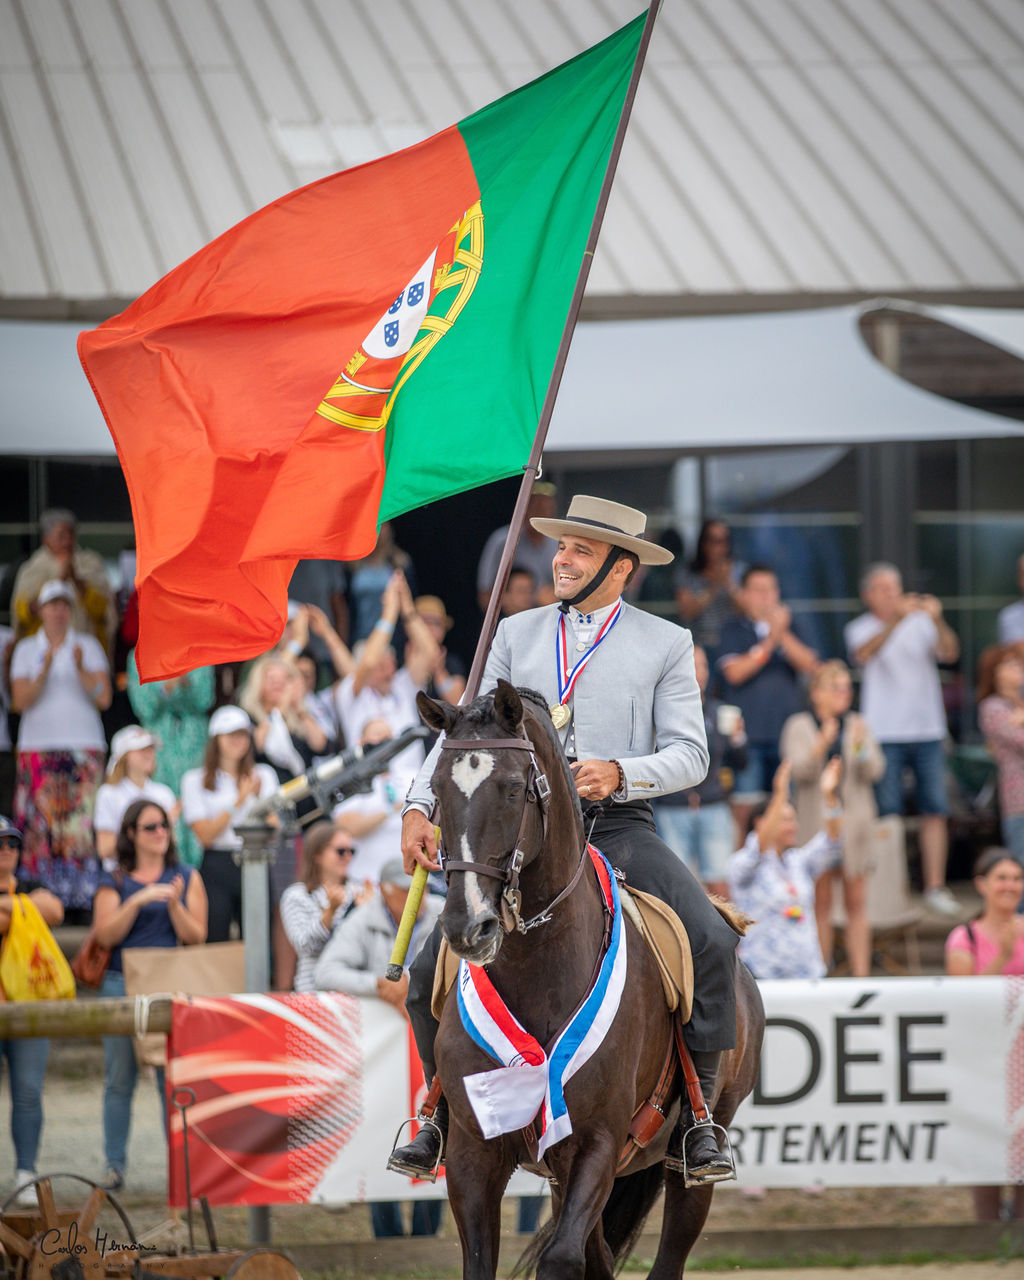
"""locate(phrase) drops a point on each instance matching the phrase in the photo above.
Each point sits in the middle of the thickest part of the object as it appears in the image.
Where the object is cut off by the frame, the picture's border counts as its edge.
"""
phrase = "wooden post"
(83, 1019)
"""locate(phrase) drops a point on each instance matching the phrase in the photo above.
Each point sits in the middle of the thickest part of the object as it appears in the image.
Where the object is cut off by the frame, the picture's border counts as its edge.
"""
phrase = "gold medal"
(560, 714)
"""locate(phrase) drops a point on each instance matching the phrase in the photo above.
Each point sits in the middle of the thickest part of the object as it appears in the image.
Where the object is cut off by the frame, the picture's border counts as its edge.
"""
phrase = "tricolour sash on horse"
(529, 1081)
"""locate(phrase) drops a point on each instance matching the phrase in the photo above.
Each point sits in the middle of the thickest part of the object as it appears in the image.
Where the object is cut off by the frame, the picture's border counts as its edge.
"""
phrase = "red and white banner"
(886, 1082)
(297, 1100)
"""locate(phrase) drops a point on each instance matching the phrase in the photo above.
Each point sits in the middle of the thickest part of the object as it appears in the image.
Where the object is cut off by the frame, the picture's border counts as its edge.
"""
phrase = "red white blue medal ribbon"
(529, 1081)
(567, 678)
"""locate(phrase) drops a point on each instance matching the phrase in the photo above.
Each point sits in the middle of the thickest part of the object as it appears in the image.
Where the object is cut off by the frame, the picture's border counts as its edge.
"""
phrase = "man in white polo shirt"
(897, 643)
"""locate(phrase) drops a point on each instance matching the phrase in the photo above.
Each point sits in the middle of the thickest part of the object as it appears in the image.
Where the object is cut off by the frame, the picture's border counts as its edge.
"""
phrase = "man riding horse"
(623, 696)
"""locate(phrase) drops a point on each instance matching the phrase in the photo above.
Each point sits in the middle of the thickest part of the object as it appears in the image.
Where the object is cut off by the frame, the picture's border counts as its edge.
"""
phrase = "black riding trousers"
(625, 834)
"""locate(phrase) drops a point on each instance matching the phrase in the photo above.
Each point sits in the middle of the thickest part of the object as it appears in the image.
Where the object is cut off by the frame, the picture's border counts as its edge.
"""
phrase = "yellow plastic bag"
(32, 965)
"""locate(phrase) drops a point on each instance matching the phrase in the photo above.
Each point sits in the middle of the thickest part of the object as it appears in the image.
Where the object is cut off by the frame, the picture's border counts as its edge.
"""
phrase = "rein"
(538, 792)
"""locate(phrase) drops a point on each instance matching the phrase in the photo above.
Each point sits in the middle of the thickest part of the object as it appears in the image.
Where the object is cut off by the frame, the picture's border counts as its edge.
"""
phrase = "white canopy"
(645, 389)
(633, 391)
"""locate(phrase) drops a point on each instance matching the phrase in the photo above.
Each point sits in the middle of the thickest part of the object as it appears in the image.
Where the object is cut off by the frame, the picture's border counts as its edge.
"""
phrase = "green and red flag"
(372, 342)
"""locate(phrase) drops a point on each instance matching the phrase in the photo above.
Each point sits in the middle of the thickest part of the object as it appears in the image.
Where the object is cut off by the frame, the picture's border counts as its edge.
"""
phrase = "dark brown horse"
(513, 834)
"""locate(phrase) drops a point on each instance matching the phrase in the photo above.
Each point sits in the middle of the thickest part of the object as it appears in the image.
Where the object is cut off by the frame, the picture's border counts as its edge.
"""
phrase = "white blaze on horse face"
(471, 769)
(476, 904)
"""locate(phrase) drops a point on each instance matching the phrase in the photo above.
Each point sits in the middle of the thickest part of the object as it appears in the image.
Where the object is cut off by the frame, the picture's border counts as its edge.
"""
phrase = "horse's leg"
(598, 1259)
(576, 1248)
(477, 1174)
(683, 1218)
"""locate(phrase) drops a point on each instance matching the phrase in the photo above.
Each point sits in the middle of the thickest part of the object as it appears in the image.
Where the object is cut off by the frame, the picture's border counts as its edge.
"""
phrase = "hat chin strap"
(614, 554)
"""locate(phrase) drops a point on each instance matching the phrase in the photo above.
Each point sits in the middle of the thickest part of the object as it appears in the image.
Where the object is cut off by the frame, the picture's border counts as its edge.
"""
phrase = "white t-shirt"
(385, 841)
(198, 804)
(113, 799)
(63, 717)
(901, 697)
(397, 707)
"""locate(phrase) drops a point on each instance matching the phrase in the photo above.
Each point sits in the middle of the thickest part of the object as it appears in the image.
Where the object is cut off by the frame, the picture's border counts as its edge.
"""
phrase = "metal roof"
(782, 152)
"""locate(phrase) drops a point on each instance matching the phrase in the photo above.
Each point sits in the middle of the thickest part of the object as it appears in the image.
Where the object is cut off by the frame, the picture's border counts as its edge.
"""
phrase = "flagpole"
(532, 469)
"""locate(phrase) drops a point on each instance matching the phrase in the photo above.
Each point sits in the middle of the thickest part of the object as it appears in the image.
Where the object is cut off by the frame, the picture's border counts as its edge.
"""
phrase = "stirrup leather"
(414, 1171)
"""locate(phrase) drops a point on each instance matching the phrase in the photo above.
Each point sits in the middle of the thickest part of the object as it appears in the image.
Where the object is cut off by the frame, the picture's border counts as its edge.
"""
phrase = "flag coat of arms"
(367, 344)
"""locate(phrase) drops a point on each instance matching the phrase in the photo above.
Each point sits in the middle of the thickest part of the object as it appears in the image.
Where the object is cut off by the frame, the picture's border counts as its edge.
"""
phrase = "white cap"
(55, 589)
(131, 738)
(229, 720)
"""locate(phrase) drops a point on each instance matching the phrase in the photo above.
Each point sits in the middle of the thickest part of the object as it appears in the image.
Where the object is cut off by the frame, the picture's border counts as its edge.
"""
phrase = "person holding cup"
(697, 824)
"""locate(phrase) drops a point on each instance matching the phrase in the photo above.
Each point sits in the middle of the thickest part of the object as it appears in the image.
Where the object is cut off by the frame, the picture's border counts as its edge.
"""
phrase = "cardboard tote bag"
(209, 969)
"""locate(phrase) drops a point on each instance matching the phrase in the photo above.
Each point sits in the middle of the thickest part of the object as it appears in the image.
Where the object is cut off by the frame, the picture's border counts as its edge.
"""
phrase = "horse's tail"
(527, 1263)
(625, 1213)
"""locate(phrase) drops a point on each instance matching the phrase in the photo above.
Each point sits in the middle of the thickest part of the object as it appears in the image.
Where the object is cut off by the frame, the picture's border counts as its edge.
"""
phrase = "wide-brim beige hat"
(605, 521)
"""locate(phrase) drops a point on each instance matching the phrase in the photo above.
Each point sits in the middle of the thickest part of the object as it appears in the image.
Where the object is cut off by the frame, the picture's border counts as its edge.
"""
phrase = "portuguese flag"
(364, 345)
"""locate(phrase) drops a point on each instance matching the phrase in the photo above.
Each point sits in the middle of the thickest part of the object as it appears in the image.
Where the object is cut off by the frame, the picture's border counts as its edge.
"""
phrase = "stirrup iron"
(681, 1164)
(395, 1166)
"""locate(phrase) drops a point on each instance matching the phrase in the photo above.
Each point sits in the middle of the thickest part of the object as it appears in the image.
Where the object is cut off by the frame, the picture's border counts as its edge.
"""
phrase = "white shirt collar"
(595, 620)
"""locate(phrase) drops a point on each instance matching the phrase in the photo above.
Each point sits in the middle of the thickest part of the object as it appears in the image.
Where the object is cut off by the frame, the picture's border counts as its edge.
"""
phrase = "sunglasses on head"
(154, 826)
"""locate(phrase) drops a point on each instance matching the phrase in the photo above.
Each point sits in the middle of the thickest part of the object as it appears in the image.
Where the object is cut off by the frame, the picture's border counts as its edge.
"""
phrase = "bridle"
(537, 793)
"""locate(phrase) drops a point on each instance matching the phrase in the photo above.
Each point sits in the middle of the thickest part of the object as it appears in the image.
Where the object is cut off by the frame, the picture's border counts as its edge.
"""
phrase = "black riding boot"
(704, 1161)
(421, 1157)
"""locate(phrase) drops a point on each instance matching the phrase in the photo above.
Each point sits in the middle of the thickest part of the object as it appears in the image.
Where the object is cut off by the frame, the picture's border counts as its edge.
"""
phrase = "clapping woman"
(150, 901)
(60, 682)
(809, 740)
(215, 798)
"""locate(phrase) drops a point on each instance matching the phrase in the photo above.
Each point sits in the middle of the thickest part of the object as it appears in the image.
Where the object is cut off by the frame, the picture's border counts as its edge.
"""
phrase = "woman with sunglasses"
(151, 900)
(312, 906)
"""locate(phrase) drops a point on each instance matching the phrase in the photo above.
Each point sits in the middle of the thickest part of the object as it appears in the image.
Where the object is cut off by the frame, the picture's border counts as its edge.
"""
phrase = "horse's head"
(492, 789)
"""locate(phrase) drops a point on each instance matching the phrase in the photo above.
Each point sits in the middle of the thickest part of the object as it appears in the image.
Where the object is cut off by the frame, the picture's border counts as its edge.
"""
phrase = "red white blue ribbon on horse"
(566, 678)
(530, 1081)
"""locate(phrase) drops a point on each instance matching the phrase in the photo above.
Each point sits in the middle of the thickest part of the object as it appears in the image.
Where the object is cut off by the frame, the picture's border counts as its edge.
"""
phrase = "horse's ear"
(508, 707)
(439, 716)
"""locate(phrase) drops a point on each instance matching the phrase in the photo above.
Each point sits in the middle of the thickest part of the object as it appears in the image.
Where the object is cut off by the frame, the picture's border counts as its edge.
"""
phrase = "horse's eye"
(515, 788)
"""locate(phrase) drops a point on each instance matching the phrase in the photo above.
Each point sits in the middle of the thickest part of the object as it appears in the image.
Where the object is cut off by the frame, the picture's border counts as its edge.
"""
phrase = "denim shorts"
(927, 762)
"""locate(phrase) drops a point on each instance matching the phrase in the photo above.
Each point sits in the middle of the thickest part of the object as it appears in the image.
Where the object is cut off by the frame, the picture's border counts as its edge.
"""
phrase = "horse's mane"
(736, 919)
(480, 712)
(537, 706)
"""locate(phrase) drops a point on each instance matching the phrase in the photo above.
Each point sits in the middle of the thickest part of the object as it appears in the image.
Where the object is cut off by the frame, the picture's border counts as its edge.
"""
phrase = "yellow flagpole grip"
(406, 924)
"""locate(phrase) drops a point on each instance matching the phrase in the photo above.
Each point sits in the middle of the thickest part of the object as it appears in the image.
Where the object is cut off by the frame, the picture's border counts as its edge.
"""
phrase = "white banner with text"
(887, 1082)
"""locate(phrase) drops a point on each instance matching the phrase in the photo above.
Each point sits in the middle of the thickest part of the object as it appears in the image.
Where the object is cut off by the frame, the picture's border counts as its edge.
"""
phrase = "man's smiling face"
(576, 563)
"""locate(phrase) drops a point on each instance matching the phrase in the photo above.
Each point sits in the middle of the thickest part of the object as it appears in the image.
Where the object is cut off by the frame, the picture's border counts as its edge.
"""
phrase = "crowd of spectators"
(140, 835)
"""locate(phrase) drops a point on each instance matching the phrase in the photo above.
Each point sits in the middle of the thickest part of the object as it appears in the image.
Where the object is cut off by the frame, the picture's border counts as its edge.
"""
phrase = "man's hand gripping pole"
(408, 921)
